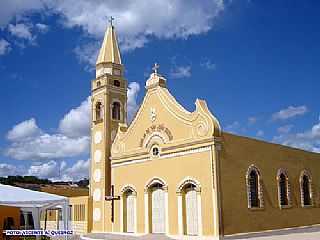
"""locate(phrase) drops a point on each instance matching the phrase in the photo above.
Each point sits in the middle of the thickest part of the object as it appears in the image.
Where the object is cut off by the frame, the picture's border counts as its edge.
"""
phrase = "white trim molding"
(308, 175)
(288, 199)
(260, 187)
(162, 156)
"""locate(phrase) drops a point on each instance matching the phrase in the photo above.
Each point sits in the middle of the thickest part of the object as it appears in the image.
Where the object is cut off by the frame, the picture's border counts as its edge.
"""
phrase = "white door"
(130, 218)
(192, 212)
(158, 211)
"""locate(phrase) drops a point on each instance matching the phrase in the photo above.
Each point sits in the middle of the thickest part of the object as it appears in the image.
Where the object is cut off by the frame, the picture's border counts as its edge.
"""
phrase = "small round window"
(155, 151)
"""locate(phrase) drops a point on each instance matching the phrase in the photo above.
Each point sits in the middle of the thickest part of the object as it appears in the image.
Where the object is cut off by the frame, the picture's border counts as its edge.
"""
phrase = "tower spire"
(109, 52)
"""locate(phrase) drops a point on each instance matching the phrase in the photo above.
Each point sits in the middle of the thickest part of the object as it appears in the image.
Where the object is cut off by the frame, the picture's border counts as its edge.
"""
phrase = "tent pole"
(45, 219)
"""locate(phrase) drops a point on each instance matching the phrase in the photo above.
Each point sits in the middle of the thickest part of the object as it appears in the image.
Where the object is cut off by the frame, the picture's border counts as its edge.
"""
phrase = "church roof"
(109, 52)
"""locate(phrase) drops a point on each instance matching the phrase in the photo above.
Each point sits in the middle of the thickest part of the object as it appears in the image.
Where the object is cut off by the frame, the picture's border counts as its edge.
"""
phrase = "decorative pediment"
(162, 120)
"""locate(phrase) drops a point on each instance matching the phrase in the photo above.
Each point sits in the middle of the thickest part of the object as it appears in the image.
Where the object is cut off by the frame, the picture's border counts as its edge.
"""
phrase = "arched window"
(254, 188)
(116, 111)
(283, 189)
(306, 191)
(116, 83)
(99, 115)
(155, 151)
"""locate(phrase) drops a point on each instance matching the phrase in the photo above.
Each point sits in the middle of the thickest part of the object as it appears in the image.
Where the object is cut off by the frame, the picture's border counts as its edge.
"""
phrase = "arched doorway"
(158, 209)
(156, 195)
(129, 209)
(191, 210)
(189, 203)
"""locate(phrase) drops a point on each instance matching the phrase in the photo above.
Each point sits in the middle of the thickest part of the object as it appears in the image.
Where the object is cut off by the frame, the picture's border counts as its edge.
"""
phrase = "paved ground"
(127, 237)
(312, 233)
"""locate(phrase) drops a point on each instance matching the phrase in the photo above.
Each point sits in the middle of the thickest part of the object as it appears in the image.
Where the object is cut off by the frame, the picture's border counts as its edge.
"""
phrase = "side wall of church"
(173, 170)
(236, 155)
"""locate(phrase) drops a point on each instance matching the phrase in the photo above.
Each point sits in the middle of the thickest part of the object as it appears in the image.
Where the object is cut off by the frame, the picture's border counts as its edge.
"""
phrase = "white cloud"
(308, 140)
(285, 129)
(137, 22)
(14, 9)
(24, 130)
(54, 170)
(181, 72)
(260, 133)
(233, 127)
(132, 95)
(77, 171)
(21, 30)
(289, 112)
(29, 142)
(76, 123)
(87, 54)
(208, 64)
(252, 120)
(46, 146)
(4, 47)
(43, 28)
(8, 170)
(46, 170)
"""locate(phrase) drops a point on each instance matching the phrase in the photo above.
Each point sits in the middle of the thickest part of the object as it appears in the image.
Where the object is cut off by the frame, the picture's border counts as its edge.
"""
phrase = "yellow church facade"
(175, 172)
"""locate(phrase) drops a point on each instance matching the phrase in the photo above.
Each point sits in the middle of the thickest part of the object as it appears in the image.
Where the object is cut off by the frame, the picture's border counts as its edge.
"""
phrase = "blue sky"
(256, 63)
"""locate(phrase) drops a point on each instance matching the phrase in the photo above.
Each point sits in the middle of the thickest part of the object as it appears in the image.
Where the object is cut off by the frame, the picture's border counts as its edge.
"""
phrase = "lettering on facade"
(156, 128)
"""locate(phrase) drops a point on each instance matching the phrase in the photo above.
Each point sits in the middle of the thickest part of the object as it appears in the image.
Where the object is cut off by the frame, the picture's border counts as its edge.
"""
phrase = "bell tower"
(109, 108)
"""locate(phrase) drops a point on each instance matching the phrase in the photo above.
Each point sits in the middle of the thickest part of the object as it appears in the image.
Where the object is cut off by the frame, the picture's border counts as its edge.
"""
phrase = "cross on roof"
(111, 20)
(155, 68)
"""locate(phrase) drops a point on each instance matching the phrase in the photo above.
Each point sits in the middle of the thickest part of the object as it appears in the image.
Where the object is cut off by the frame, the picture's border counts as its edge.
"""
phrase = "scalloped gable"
(161, 120)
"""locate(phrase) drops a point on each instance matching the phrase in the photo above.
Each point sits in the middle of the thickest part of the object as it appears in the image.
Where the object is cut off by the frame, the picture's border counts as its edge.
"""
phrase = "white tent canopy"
(34, 201)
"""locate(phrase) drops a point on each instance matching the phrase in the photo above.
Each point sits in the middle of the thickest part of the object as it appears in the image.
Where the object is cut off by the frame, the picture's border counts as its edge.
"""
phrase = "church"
(175, 172)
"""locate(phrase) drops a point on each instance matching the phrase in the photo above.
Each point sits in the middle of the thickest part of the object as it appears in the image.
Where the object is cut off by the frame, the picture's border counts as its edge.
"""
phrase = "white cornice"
(162, 156)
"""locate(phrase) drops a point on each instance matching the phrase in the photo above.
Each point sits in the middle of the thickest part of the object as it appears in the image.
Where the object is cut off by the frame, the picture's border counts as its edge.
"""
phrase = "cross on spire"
(155, 68)
(111, 19)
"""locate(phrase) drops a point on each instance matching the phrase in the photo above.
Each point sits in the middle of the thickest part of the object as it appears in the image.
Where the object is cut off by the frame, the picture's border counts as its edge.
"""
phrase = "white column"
(36, 220)
(199, 214)
(135, 215)
(146, 212)
(26, 221)
(180, 214)
(121, 213)
(65, 216)
(167, 211)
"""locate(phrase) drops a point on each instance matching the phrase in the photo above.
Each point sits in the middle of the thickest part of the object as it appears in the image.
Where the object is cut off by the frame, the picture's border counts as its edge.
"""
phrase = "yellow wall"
(237, 154)
(106, 94)
(5, 212)
(81, 214)
(172, 171)
(181, 137)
